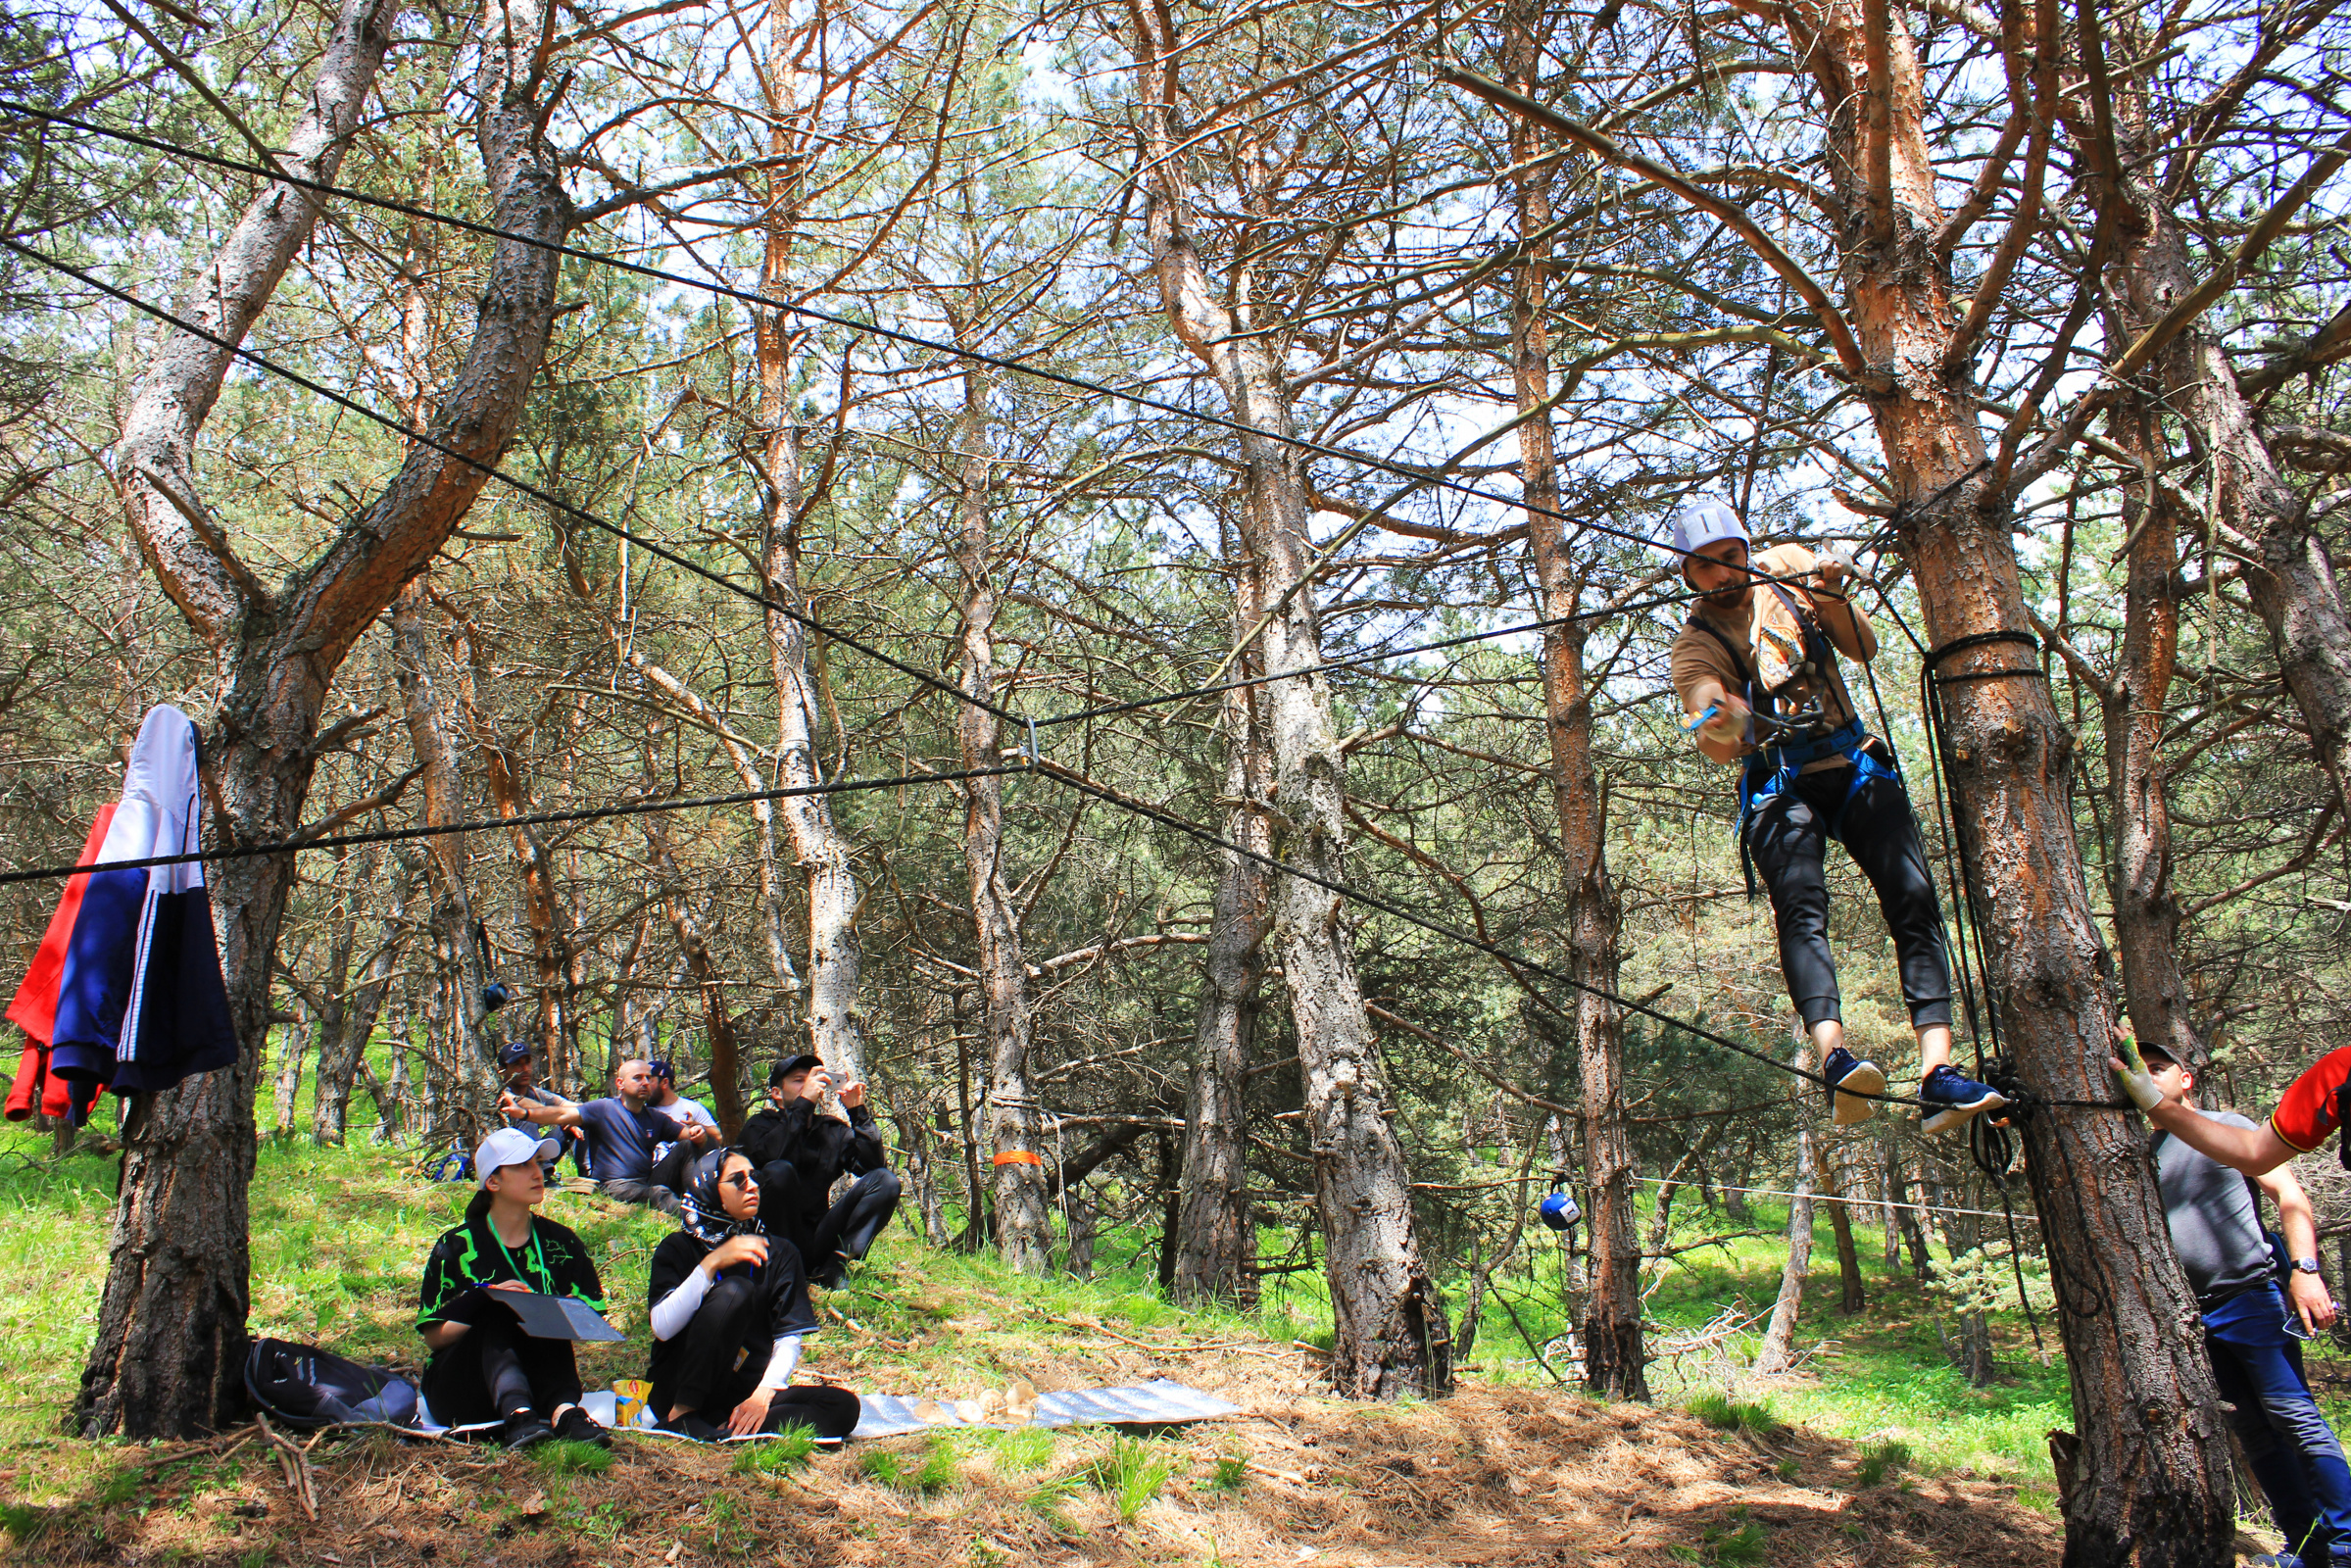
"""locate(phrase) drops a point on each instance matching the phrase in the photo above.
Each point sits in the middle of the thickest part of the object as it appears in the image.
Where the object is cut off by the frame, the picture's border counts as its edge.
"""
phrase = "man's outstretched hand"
(2130, 1073)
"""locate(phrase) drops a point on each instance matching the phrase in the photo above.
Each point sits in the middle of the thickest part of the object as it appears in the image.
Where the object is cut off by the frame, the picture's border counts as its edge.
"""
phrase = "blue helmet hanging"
(1559, 1212)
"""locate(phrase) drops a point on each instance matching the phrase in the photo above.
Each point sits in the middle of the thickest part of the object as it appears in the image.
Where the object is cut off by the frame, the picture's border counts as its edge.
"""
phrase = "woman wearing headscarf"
(484, 1368)
(730, 1303)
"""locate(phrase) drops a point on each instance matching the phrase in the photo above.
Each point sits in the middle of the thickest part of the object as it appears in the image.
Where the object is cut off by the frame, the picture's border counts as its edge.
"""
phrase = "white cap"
(511, 1146)
(1701, 523)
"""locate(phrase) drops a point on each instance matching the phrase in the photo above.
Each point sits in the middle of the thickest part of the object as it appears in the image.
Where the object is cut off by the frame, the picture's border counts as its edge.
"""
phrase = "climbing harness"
(1799, 735)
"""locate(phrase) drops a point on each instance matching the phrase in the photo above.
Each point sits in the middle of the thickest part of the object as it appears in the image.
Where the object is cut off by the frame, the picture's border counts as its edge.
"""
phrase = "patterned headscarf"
(700, 1208)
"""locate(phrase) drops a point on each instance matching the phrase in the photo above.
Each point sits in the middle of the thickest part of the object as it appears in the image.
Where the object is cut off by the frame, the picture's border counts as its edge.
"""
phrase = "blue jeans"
(2292, 1450)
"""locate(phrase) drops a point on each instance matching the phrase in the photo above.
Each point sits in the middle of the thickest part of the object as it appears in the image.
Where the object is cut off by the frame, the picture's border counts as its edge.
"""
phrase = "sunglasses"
(741, 1178)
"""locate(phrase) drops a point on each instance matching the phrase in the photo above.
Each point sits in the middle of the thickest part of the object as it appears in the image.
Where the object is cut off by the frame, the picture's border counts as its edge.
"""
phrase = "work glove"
(2135, 1082)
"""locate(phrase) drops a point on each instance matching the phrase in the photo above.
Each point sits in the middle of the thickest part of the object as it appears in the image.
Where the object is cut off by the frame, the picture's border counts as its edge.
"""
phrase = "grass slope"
(1856, 1462)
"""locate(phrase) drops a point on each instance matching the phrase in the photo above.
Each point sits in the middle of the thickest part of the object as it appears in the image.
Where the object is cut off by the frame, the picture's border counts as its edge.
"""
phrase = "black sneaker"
(524, 1430)
(1954, 1100)
(692, 1425)
(574, 1425)
(1849, 1072)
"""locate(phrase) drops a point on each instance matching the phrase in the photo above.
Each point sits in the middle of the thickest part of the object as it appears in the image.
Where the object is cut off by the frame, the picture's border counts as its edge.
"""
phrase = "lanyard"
(537, 1257)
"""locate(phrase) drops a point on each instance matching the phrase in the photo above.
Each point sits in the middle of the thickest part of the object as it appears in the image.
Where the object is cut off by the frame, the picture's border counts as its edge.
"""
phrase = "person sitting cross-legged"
(730, 1302)
(626, 1136)
(484, 1368)
(801, 1152)
(2250, 1329)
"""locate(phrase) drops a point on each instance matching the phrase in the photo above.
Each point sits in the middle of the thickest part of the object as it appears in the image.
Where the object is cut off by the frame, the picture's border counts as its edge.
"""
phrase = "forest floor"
(1874, 1457)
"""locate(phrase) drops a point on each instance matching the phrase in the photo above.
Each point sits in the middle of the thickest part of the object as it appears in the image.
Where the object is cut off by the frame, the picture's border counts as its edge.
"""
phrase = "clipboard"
(556, 1317)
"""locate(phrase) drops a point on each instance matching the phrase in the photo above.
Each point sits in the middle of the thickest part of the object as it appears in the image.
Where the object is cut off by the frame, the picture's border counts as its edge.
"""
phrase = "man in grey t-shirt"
(2256, 1353)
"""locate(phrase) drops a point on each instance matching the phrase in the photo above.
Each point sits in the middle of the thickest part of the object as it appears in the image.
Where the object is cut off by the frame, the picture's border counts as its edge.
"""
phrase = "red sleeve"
(2306, 1115)
(35, 1010)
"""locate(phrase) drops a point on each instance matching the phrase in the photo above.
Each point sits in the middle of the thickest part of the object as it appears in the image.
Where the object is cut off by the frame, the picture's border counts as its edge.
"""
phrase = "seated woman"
(730, 1303)
(484, 1368)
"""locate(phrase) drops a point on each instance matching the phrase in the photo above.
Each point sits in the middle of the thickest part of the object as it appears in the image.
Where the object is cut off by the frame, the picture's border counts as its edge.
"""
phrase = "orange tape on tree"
(1020, 1157)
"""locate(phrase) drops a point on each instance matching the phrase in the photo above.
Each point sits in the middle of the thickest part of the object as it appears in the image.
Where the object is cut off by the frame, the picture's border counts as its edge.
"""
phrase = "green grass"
(562, 1457)
(1131, 1474)
(1879, 1460)
(1023, 1449)
(920, 1475)
(1726, 1544)
(1724, 1413)
(788, 1451)
(1229, 1473)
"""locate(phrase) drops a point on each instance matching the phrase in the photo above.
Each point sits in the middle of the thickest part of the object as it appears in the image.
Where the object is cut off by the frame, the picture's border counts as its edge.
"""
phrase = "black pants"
(495, 1369)
(1789, 839)
(717, 1360)
(846, 1229)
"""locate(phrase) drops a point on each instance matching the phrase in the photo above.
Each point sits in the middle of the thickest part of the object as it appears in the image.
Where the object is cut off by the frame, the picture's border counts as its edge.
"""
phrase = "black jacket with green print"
(553, 1261)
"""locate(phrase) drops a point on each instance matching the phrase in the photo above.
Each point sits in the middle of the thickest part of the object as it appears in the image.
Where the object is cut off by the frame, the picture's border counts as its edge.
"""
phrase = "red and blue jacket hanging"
(140, 1002)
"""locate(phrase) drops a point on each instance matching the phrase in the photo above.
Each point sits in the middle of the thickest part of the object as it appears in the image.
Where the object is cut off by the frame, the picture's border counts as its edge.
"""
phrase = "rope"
(494, 825)
(1080, 782)
(870, 328)
(1823, 1198)
(655, 548)
(1050, 769)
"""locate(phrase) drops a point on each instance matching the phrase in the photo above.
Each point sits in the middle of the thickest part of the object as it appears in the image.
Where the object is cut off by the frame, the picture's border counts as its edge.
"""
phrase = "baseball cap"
(514, 1053)
(662, 1071)
(511, 1146)
(790, 1065)
(1702, 522)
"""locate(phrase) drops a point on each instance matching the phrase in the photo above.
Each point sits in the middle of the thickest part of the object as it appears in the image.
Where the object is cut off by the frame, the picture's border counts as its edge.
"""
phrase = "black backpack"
(301, 1385)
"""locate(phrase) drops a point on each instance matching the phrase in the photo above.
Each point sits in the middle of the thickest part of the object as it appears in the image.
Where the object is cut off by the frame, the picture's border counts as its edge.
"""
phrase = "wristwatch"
(2306, 1265)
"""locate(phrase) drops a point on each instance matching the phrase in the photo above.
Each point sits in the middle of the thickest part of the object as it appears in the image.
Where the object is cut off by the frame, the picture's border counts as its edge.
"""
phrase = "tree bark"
(1615, 1363)
(466, 1083)
(1023, 1221)
(709, 978)
(1777, 1352)
(2142, 1391)
(1851, 1299)
(1213, 1227)
(1390, 1326)
(356, 1008)
(835, 1023)
(168, 1354)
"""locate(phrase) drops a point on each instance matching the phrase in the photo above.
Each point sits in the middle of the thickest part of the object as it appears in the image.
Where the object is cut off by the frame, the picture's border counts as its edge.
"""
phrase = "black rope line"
(1078, 781)
(492, 824)
(1054, 770)
(765, 602)
(524, 486)
(874, 329)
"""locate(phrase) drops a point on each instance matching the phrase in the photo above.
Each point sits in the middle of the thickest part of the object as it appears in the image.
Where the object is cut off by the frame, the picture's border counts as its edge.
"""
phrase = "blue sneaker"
(1955, 1100)
(1849, 1072)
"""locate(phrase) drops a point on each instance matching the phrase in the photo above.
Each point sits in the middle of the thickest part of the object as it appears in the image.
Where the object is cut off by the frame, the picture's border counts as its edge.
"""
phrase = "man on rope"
(2250, 1334)
(1755, 667)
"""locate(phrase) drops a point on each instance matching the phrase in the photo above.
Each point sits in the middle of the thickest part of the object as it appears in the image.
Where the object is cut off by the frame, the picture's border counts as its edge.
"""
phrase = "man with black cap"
(2251, 1331)
(1756, 668)
(801, 1153)
(519, 1072)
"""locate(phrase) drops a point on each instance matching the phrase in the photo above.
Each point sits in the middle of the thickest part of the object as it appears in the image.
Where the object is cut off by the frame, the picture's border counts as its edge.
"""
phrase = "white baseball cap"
(511, 1146)
(1702, 522)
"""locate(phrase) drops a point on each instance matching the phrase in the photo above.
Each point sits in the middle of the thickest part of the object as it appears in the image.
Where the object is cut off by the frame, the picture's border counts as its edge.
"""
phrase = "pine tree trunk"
(168, 1354)
(467, 1085)
(836, 1026)
(1213, 1227)
(1615, 1363)
(1777, 1352)
(1023, 1221)
(1851, 1299)
(710, 979)
(1389, 1320)
(341, 1055)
